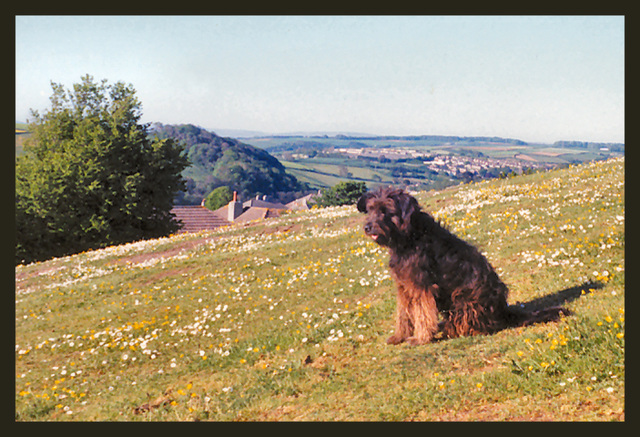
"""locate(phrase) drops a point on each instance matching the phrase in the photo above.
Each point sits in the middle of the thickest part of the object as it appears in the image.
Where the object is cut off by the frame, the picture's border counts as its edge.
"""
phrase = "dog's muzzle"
(369, 230)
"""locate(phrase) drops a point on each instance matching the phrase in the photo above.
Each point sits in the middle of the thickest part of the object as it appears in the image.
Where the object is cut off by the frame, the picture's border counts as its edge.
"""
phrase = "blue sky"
(544, 78)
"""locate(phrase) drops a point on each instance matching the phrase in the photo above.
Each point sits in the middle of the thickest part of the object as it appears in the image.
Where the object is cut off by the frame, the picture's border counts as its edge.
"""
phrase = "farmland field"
(323, 161)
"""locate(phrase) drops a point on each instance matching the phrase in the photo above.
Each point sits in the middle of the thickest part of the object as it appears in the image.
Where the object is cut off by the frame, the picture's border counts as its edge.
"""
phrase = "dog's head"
(390, 214)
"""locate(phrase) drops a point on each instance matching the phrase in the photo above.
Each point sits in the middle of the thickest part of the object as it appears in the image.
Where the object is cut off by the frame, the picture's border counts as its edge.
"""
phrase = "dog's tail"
(519, 316)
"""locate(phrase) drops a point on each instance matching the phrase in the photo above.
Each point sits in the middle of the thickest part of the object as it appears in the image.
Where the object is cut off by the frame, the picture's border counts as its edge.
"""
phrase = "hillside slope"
(217, 161)
(287, 319)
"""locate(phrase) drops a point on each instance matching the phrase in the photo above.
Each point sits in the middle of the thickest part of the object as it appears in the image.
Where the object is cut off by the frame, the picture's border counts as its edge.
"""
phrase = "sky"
(534, 78)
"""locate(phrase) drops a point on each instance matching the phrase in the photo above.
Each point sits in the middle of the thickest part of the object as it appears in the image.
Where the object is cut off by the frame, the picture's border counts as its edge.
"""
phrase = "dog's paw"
(415, 341)
(395, 339)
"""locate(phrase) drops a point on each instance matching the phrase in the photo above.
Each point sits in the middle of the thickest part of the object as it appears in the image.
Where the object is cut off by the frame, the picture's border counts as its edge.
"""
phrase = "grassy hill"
(287, 319)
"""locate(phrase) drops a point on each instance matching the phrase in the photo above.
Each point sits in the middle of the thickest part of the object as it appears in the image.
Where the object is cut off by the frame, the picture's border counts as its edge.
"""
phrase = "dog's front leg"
(404, 325)
(424, 315)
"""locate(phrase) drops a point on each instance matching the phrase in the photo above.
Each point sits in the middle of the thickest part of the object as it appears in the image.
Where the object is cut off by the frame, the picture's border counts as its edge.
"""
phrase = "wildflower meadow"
(286, 319)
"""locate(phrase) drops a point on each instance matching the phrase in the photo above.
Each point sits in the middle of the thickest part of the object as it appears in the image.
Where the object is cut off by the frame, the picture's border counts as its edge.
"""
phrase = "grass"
(287, 319)
(326, 175)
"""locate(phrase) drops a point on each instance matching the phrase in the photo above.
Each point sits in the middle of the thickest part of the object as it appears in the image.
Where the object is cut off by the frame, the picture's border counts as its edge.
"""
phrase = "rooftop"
(195, 218)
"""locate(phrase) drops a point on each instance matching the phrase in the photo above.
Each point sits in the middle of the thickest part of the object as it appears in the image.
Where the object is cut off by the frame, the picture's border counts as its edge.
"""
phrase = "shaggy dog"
(436, 272)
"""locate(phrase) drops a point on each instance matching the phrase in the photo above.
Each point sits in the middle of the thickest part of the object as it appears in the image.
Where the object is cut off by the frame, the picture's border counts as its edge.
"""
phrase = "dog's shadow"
(559, 297)
(543, 303)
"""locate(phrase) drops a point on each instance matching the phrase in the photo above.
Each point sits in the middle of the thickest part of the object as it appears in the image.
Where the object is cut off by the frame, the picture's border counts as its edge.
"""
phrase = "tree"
(343, 193)
(91, 176)
(218, 198)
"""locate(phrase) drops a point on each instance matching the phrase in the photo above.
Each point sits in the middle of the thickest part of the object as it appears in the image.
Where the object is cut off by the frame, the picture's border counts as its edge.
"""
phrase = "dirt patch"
(173, 251)
(281, 228)
(33, 272)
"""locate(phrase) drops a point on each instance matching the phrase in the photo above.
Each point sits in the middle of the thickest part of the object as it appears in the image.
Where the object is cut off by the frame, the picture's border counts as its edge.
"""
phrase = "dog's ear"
(362, 202)
(408, 207)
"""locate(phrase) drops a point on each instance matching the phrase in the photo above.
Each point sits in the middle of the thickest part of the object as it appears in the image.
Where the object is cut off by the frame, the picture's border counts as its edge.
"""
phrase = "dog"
(438, 274)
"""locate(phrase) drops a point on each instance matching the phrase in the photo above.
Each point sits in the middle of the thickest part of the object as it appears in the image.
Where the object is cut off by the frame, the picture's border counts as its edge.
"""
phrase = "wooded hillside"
(217, 161)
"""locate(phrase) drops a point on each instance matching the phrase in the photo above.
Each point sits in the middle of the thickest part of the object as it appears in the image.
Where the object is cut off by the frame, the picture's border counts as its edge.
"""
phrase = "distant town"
(452, 165)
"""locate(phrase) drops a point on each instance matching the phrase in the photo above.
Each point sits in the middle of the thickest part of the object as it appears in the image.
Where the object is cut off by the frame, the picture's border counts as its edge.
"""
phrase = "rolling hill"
(218, 161)
(286, 319)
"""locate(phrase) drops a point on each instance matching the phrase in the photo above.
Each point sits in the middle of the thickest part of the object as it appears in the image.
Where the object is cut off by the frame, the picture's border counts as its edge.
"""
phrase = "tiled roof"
(251, 213)
(197, 218)
(257, 203)
(301, 203)
(257, 213)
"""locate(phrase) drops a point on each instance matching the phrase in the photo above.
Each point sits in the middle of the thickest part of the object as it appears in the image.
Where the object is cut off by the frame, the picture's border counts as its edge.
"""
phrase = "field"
(324, 173)
(21, 135)
(286, 319)
(319, 161)
(538, 152)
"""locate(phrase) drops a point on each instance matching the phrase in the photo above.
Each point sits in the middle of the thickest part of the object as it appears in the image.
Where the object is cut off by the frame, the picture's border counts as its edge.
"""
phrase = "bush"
(218, 198)
(343, 193)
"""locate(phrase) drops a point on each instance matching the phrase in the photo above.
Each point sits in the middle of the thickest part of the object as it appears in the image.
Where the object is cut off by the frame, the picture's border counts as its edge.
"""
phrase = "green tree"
(218, 198)
(91, 176)
(343, 193)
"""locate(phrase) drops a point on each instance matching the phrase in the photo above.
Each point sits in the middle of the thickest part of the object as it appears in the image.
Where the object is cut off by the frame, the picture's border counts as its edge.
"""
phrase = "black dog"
(436, 272)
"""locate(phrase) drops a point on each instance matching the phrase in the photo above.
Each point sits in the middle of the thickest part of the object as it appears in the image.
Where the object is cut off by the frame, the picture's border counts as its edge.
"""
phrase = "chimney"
(235, 208)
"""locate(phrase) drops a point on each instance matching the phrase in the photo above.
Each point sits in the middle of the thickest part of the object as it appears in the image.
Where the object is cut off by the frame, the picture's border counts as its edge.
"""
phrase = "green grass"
(325, 175)
(287, 319)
